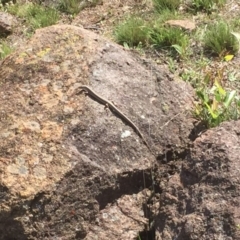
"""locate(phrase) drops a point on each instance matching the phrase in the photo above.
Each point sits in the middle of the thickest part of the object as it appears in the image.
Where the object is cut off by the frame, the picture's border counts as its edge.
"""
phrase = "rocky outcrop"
(202, 201)
(71, 169)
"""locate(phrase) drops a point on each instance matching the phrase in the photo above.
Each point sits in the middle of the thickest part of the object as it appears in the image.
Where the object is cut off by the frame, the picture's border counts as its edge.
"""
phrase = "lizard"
(114, 109)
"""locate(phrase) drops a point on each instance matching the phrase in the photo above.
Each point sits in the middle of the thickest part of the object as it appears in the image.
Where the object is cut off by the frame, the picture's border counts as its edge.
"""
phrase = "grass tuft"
(36, 15)
(75, 6)
(171, 5)
(70, 6)
(219, 40)
(206, 5)
(170, 38)
(132, 32)
(5, 49)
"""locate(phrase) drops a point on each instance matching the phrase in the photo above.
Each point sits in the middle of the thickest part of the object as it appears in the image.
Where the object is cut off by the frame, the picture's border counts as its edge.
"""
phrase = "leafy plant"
(5, 49)
(132, 32)
(171, 38)
(219, 39)
(217, 104)
(161, 5)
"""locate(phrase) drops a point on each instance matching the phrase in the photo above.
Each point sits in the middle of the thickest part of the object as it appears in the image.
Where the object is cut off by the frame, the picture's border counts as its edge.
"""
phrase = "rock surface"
(202, 201)
(70, 168)
(7, 23)
(185, 24)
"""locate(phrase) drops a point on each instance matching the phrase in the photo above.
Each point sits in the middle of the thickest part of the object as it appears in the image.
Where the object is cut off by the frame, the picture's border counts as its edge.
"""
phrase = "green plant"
(19, 10)
(171, 38)
(219, 39)
(171, 65)
(190, 75)
(216, 103)
(161, 5)
(36, 15)
(166, 14)
(235, 22)
(132, 32)
(5, 49)
(70, 6)
(206, 5)
(75, 6)
(39, 16)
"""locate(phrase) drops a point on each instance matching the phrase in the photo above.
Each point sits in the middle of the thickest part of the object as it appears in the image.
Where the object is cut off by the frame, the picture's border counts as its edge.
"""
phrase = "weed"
(171, 65)
(5, 49)
(70, 6)
(219, 40)
(42, 17)
(194, 70)
(37, 16)
(165, 15)
(190, 75)
(235, 23)
(171, 38)
(132, 32)
(206, 5)
(75, 6)
(19, 10)
(216, 103)
(171, 5)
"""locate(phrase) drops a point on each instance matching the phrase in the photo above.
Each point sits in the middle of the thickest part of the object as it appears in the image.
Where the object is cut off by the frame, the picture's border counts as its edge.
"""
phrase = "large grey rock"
(71, 169)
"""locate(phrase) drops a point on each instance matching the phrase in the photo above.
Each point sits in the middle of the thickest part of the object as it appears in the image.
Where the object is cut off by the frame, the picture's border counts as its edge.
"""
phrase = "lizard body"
(114, 109)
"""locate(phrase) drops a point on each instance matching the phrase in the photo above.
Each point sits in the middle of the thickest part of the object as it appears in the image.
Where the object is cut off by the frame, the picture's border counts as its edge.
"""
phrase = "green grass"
(19, 10)
(235, 23)
(219, 40)
(5, 49)
(206, 5)
(172, 38)
(39, 17)
(166, 14)
(36, 16)
(75, 6)
(70, 6)
(171, 5)
(133, 32)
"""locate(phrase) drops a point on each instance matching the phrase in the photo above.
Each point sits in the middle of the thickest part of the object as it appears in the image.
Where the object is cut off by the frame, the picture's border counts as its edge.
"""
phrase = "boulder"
(70, 168)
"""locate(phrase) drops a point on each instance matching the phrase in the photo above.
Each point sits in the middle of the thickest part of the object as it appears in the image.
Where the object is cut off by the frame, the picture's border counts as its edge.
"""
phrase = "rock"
(7, 22)
(185, 24)
(67, 172)
(207, 190)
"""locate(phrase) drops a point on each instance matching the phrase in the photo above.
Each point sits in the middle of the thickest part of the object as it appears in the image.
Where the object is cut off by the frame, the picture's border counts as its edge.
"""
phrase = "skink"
(114, 109)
